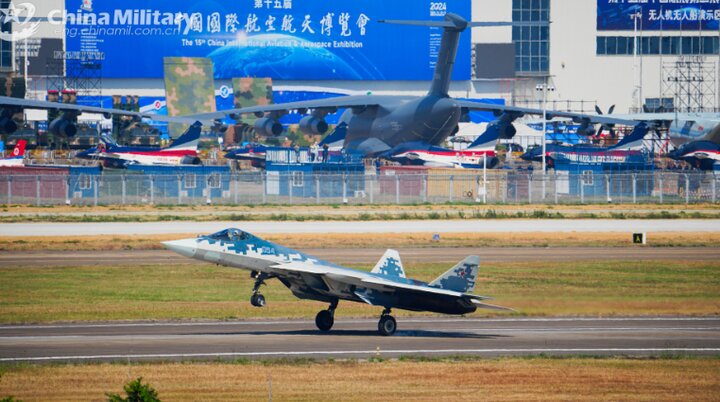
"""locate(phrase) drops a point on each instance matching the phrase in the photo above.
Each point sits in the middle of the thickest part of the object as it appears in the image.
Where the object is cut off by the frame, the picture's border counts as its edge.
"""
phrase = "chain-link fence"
(494, 187)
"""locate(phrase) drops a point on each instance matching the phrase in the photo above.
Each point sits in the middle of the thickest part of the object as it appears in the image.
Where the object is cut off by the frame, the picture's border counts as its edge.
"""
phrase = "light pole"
(544, 87)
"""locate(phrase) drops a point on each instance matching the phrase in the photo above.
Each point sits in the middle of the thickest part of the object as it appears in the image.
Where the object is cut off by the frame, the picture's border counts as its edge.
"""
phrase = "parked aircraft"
(631, 146)
(256, 153)
(183, 151)
(480, 153)
(308, 277)
(703, 155)
(17, 157)
(683, 127)
(377, 124)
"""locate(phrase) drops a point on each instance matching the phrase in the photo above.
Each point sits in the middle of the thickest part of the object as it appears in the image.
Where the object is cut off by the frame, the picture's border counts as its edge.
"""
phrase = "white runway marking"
(355, 352)
(360, 321)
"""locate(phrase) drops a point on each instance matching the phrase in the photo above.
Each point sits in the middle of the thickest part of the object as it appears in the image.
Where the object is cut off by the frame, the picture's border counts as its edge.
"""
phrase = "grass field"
(208, 291)
(155, 213)
(538, 379)
(534, 239)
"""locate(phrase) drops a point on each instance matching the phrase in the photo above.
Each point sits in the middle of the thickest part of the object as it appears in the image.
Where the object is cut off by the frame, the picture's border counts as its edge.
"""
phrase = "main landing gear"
(325, 319)
(257, 299)
(387, 324)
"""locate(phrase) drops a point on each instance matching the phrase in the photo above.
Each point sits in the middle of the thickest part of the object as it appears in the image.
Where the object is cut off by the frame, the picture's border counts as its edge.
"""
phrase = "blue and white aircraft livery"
(311, 278)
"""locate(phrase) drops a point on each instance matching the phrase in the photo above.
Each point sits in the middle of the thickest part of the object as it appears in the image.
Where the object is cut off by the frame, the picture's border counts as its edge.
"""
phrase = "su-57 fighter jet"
(312, 278)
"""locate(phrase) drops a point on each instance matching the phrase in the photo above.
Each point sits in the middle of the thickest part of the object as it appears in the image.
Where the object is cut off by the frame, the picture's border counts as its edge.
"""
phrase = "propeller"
(607, 126)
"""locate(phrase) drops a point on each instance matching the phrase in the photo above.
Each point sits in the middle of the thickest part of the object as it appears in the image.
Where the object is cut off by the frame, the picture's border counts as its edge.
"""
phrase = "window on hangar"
(532, 53)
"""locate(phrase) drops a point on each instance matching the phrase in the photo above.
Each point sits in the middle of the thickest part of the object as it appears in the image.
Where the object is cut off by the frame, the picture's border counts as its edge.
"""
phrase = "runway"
(402, 226)
(371, 255)
(358, 339)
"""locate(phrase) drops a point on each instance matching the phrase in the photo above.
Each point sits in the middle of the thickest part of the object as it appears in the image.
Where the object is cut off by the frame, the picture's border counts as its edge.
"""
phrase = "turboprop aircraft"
(703, 155)
(311, 278)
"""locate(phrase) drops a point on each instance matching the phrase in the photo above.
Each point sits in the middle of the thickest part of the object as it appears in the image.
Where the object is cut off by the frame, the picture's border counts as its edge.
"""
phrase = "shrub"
(136, 392)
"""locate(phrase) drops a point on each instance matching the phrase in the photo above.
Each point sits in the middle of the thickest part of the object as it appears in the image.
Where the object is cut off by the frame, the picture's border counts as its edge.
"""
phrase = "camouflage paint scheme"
(189, 88)
(252, 92)
(309, 277)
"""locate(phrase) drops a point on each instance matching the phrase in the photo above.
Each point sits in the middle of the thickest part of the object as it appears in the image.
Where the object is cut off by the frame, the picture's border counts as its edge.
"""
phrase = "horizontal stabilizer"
(461, 277)
(390, 265)
(488, 306)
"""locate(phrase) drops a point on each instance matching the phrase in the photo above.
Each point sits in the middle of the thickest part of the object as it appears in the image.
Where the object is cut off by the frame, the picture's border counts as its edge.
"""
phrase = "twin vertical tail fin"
(390, 265)
(461, 277)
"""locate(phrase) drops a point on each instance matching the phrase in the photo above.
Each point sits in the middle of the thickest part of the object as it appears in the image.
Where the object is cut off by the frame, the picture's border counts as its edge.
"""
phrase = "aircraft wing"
(339, 102)
(6, 101)
(551, 113)
(362, 281)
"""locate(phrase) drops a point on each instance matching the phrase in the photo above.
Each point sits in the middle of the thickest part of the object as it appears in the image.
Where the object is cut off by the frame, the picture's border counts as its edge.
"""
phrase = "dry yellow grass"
(573, 379)
(530, 239)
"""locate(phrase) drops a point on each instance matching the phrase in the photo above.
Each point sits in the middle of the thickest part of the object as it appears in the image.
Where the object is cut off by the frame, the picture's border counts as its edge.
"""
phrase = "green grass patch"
(214, 292)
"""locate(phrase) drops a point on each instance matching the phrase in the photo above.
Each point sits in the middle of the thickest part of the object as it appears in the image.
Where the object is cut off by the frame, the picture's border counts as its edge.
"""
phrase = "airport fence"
(494, 187)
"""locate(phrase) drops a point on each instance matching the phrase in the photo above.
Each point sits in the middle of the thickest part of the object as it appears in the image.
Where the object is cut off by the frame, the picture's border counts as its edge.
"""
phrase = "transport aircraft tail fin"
(461, 277)
(19, 151)
(336, 139)
(634, 140)
(390, 265)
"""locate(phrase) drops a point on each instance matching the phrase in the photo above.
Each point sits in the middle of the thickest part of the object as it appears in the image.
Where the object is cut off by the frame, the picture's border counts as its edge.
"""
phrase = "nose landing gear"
(257, 299)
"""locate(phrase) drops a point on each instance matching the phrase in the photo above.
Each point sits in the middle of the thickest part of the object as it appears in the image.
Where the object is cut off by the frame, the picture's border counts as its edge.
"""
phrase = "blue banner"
(656, 15)
(281, 39)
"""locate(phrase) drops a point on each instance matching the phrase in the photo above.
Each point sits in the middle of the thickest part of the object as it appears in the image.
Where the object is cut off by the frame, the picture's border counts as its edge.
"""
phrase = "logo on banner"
(21, 15)
(86, 5)
(225, 91)
(157, 105)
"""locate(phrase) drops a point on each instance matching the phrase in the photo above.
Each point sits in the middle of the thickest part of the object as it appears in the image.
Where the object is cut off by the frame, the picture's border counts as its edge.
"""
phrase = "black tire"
(257, 300)
(387, 325)
(324, 320)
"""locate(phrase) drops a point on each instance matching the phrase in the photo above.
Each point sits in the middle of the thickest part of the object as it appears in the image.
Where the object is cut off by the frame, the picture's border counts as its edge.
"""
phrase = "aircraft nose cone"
(184, 247)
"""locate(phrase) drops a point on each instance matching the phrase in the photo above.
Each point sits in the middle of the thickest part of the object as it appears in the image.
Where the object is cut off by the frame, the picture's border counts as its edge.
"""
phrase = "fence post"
(451, 188)
(607, 187)
(661, 187)
(95, 190)
(687, 188)
(425, 188)
(714, 187)
(124, 188)
(582, 188)
(344, 188)
(291, 184)
(530, 177)
(372, 188)
(179, 189)
(634, 187)
(556, 188)
(152, 190)
(397, 189)
(67, 190)
(317, 189)
(37, 190)
(264, 186)
(236, 185)
(9, 192)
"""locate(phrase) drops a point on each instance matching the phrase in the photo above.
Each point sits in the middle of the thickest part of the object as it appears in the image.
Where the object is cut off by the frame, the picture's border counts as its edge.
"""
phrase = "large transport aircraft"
(17, 157)
(630, 148)
(378, 123)
(183, 151)
(308, 277)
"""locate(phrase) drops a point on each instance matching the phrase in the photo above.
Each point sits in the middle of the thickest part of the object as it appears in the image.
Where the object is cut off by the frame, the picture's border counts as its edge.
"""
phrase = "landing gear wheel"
(387, 325)
(324, 320)
(257, 300)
